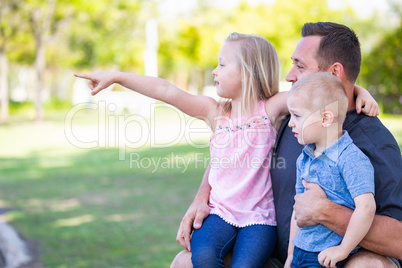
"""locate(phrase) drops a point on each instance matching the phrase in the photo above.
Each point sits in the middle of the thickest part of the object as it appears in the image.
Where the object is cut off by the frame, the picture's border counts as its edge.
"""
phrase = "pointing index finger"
(86, 76)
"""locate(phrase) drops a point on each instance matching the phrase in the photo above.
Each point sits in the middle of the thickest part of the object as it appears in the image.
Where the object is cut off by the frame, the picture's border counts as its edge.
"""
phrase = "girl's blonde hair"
(259, 66)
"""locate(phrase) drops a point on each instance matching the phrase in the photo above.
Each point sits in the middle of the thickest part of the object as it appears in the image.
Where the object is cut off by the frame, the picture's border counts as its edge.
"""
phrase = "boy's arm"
(294, 228)
(357, 229)
(293, 231)
(196, 213)
(365, 102)
(360, 221)
(313, 207)
(156, 88)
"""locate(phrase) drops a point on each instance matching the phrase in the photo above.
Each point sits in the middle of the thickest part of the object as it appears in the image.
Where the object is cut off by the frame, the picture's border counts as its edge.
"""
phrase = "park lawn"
(394, 124)
(97, 211)
(87, 207)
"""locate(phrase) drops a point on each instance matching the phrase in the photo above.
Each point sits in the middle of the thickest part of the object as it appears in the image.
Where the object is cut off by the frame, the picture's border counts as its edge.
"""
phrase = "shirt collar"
(333, 151)
(351, 116)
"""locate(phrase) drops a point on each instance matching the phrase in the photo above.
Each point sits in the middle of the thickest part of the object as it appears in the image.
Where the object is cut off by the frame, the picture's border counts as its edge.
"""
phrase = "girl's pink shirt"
(240, 179)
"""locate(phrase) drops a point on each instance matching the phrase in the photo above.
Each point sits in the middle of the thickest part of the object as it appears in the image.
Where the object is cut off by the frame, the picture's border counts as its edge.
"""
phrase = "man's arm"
(312, 207)
(196, 213)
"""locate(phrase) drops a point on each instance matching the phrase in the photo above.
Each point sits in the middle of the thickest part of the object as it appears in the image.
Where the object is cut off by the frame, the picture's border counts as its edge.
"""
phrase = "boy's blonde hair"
(259, 66)
(322, 91)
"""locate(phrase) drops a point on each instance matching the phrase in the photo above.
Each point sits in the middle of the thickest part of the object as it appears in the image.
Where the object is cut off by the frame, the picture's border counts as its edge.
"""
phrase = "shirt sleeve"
(377, 142)
(387, 164)
(357, 171)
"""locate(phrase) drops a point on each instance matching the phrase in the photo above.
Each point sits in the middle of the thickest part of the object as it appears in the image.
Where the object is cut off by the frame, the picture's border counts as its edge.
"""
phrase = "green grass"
(94, 210)
(87, 208)
(394, 124)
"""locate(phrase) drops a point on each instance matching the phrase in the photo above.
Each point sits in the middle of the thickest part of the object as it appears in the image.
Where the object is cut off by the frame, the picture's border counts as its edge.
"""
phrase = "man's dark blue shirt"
(372, 137)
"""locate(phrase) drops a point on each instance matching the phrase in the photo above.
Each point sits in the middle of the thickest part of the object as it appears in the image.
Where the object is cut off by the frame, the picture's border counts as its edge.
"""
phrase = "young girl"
(242, 214)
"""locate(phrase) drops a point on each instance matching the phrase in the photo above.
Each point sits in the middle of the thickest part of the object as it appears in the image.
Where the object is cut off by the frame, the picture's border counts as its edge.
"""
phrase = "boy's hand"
(331, 256)
(288, 262)
(97, 81)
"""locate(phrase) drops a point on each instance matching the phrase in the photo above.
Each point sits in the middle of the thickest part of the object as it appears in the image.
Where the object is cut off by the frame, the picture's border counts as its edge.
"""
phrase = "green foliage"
(55, 104)
(281, 23)
(22, 108)
(382, 72)
(200, 35)
(14, 35)
(103, 35)
(27, 108)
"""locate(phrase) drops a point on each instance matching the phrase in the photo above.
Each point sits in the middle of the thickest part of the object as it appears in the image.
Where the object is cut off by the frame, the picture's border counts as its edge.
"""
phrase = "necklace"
(245, 125)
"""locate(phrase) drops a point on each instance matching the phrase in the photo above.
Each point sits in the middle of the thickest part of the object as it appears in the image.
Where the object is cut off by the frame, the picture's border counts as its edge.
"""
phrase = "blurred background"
(105, 181)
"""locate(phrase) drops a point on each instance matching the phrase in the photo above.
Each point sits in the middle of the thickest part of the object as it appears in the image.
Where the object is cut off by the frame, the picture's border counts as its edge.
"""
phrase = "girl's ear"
(327, 118)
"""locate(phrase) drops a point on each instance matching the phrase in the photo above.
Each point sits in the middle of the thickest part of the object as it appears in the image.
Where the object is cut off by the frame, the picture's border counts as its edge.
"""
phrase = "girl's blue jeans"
(252, 245)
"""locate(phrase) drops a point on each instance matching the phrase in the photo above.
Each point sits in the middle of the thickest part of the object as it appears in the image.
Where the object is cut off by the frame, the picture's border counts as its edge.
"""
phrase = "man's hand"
(193, 218)
(308, 203)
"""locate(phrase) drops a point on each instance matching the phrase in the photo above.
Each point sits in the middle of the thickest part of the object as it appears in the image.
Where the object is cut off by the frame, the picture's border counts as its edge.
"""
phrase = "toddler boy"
(318, 106)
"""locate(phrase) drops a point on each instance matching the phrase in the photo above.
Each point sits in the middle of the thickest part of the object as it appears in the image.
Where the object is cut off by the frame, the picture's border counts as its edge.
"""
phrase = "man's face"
(304, 62)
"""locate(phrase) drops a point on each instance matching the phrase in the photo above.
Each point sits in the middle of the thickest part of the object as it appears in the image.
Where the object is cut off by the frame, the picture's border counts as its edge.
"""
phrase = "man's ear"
(327, 118)
(337, 70)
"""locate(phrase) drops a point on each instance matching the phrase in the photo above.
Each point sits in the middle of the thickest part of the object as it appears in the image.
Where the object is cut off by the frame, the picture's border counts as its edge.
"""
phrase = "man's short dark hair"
(339, 44)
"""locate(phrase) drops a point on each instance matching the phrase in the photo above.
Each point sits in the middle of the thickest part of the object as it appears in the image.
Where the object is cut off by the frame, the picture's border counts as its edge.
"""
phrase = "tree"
(43, 27)
(106, 33)
(199, 35)
(382, 72)
(9, 27)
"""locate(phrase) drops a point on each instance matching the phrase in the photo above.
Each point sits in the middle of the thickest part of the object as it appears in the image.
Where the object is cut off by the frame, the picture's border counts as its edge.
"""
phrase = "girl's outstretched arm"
(201, 107)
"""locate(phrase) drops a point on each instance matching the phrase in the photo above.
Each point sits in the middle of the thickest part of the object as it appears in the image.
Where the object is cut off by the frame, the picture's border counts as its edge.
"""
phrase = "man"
(335, 49)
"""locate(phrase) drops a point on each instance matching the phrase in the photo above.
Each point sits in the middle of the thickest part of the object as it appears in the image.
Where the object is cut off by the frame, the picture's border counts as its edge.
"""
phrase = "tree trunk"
(4, 110)
(40, 69)
(41, 25)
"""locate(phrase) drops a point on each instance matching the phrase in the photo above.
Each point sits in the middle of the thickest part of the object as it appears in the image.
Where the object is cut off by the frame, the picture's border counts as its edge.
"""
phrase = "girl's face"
(227, 73)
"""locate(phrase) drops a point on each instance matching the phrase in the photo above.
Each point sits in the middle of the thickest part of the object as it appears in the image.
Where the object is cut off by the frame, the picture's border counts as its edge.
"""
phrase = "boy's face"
(305, 123)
